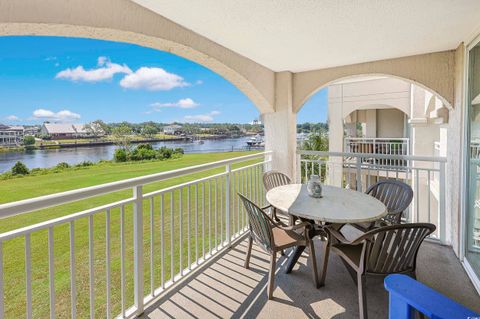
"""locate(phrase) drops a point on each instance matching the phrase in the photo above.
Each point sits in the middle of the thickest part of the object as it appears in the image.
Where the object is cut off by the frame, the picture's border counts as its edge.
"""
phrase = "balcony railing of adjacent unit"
(426, 176)
(118, 258)
(381, 146)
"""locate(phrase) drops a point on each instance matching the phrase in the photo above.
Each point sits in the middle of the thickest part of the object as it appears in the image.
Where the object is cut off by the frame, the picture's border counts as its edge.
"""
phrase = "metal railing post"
(228, 169)
(359, 172)
(441, 215)
(138, 249)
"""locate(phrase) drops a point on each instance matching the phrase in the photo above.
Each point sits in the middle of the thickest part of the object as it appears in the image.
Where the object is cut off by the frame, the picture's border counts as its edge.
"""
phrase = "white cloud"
(102, 60)
(199, 82)
(12, 118)
(105, 71)
(201, 118)
(186, 103)
(63, 115)
(153, 79)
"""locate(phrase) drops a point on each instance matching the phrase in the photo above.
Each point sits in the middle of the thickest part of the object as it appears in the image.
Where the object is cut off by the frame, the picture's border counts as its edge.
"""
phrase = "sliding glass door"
(472, 231)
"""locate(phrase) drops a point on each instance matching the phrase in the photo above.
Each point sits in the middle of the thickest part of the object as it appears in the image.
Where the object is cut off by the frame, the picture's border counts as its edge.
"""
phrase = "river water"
(51, 157)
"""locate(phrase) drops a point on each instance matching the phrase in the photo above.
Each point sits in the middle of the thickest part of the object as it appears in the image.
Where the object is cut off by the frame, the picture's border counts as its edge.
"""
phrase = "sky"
(76, 80)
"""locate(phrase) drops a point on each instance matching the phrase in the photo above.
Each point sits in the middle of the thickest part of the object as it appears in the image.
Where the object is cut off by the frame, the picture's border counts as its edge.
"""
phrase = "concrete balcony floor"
(223, 288)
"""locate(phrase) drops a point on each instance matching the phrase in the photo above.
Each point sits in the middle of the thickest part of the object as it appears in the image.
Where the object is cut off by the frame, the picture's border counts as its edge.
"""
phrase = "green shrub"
(20, 169)
(6, 175)
(62, 165)
(45, 137)
(144, 147)
(164, 152)
(145, 152)
(85, 164)
(120, 155)
(28, 140)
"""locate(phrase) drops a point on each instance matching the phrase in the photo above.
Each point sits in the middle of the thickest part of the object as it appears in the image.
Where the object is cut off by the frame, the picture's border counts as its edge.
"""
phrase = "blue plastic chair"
(407, 294)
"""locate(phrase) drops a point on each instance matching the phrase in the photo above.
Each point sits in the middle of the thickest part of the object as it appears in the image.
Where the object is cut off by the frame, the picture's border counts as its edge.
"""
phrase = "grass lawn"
(209, 217)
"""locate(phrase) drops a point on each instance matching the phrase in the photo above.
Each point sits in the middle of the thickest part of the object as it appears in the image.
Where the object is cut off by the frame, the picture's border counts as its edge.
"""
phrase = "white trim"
(472, 275)
(463, 161)
(474, 278)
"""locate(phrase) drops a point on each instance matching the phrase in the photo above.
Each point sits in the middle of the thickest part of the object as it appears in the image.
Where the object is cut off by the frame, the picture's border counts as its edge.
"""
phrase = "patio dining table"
(336, 206)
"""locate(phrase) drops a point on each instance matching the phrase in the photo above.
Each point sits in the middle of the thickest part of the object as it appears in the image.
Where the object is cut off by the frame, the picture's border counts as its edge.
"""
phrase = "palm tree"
(316, 141)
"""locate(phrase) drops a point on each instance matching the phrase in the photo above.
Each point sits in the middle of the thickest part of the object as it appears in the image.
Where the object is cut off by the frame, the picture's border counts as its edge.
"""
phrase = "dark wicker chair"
(272, 179)
(396, 196)
(274, 237)
(381, 251)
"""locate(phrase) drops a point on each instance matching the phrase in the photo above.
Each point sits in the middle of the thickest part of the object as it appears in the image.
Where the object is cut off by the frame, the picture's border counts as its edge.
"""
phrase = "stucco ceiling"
(298, 35)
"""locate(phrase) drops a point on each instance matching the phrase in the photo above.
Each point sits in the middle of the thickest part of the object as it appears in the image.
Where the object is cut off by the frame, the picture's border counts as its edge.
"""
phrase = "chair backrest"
(259, 223)
(396, 196)
(393, 249)
(272, 179)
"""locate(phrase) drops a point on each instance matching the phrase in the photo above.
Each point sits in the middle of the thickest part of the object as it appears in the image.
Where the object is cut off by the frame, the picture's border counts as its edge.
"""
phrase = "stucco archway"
(433, 72)
(125, 21)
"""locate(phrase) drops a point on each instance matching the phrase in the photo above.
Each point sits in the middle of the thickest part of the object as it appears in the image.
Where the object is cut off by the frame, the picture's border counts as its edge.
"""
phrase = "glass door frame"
(475, 278)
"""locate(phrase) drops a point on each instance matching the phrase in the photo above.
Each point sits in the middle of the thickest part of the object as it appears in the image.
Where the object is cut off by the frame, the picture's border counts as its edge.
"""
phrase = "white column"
(281, 126)
(335, 134)
(371, 123)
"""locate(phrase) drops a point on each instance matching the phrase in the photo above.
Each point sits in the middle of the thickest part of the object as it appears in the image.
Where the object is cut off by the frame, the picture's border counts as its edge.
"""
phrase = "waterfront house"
(279, 54)
(58, 131)
(173, 129)
(11, 135)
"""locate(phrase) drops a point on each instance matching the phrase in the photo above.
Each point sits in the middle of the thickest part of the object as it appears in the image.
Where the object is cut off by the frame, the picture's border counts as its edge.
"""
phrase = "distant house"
(172, 129)
(31, 130)
(66, 131)
(11, 135)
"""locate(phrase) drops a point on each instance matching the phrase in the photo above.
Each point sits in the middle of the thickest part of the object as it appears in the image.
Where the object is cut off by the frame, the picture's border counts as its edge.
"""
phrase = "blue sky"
(81, 80)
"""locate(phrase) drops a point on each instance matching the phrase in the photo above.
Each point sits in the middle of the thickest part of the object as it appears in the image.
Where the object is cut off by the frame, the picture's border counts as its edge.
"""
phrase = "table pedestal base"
(317, 230)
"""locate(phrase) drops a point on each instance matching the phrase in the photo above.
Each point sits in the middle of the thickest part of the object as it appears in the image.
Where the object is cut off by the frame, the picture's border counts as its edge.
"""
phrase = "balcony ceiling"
(305, 35)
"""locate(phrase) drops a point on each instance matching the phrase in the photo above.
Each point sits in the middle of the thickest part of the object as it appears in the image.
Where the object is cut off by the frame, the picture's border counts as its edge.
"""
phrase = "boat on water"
(256, 140)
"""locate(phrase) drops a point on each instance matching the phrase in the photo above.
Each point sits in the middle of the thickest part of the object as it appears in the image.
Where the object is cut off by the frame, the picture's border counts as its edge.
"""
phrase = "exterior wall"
(125, 21)
(454, 150)
(390, 123)
(363, 94)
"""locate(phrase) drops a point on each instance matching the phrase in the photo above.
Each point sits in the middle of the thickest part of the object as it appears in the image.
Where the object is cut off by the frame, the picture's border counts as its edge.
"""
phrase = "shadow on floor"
(224, 289)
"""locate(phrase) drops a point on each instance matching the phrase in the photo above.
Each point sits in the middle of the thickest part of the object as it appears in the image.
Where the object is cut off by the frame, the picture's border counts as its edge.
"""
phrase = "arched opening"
(379, 107)
(317, 85)
(251, 79)
(71, 93)
(378, 128)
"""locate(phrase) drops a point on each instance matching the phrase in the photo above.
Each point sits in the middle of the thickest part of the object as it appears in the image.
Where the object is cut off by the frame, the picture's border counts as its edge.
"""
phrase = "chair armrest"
(306, 225)
(338, 235)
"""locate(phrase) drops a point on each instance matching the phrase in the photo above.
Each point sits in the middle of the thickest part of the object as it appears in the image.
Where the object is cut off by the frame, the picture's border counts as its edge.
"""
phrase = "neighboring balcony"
(379, 146)
(178, 252)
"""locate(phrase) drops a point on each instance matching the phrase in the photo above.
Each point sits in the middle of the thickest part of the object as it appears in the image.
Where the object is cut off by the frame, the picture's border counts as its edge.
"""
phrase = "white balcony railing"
(381, 146)
(426, 176)
(147, 241)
